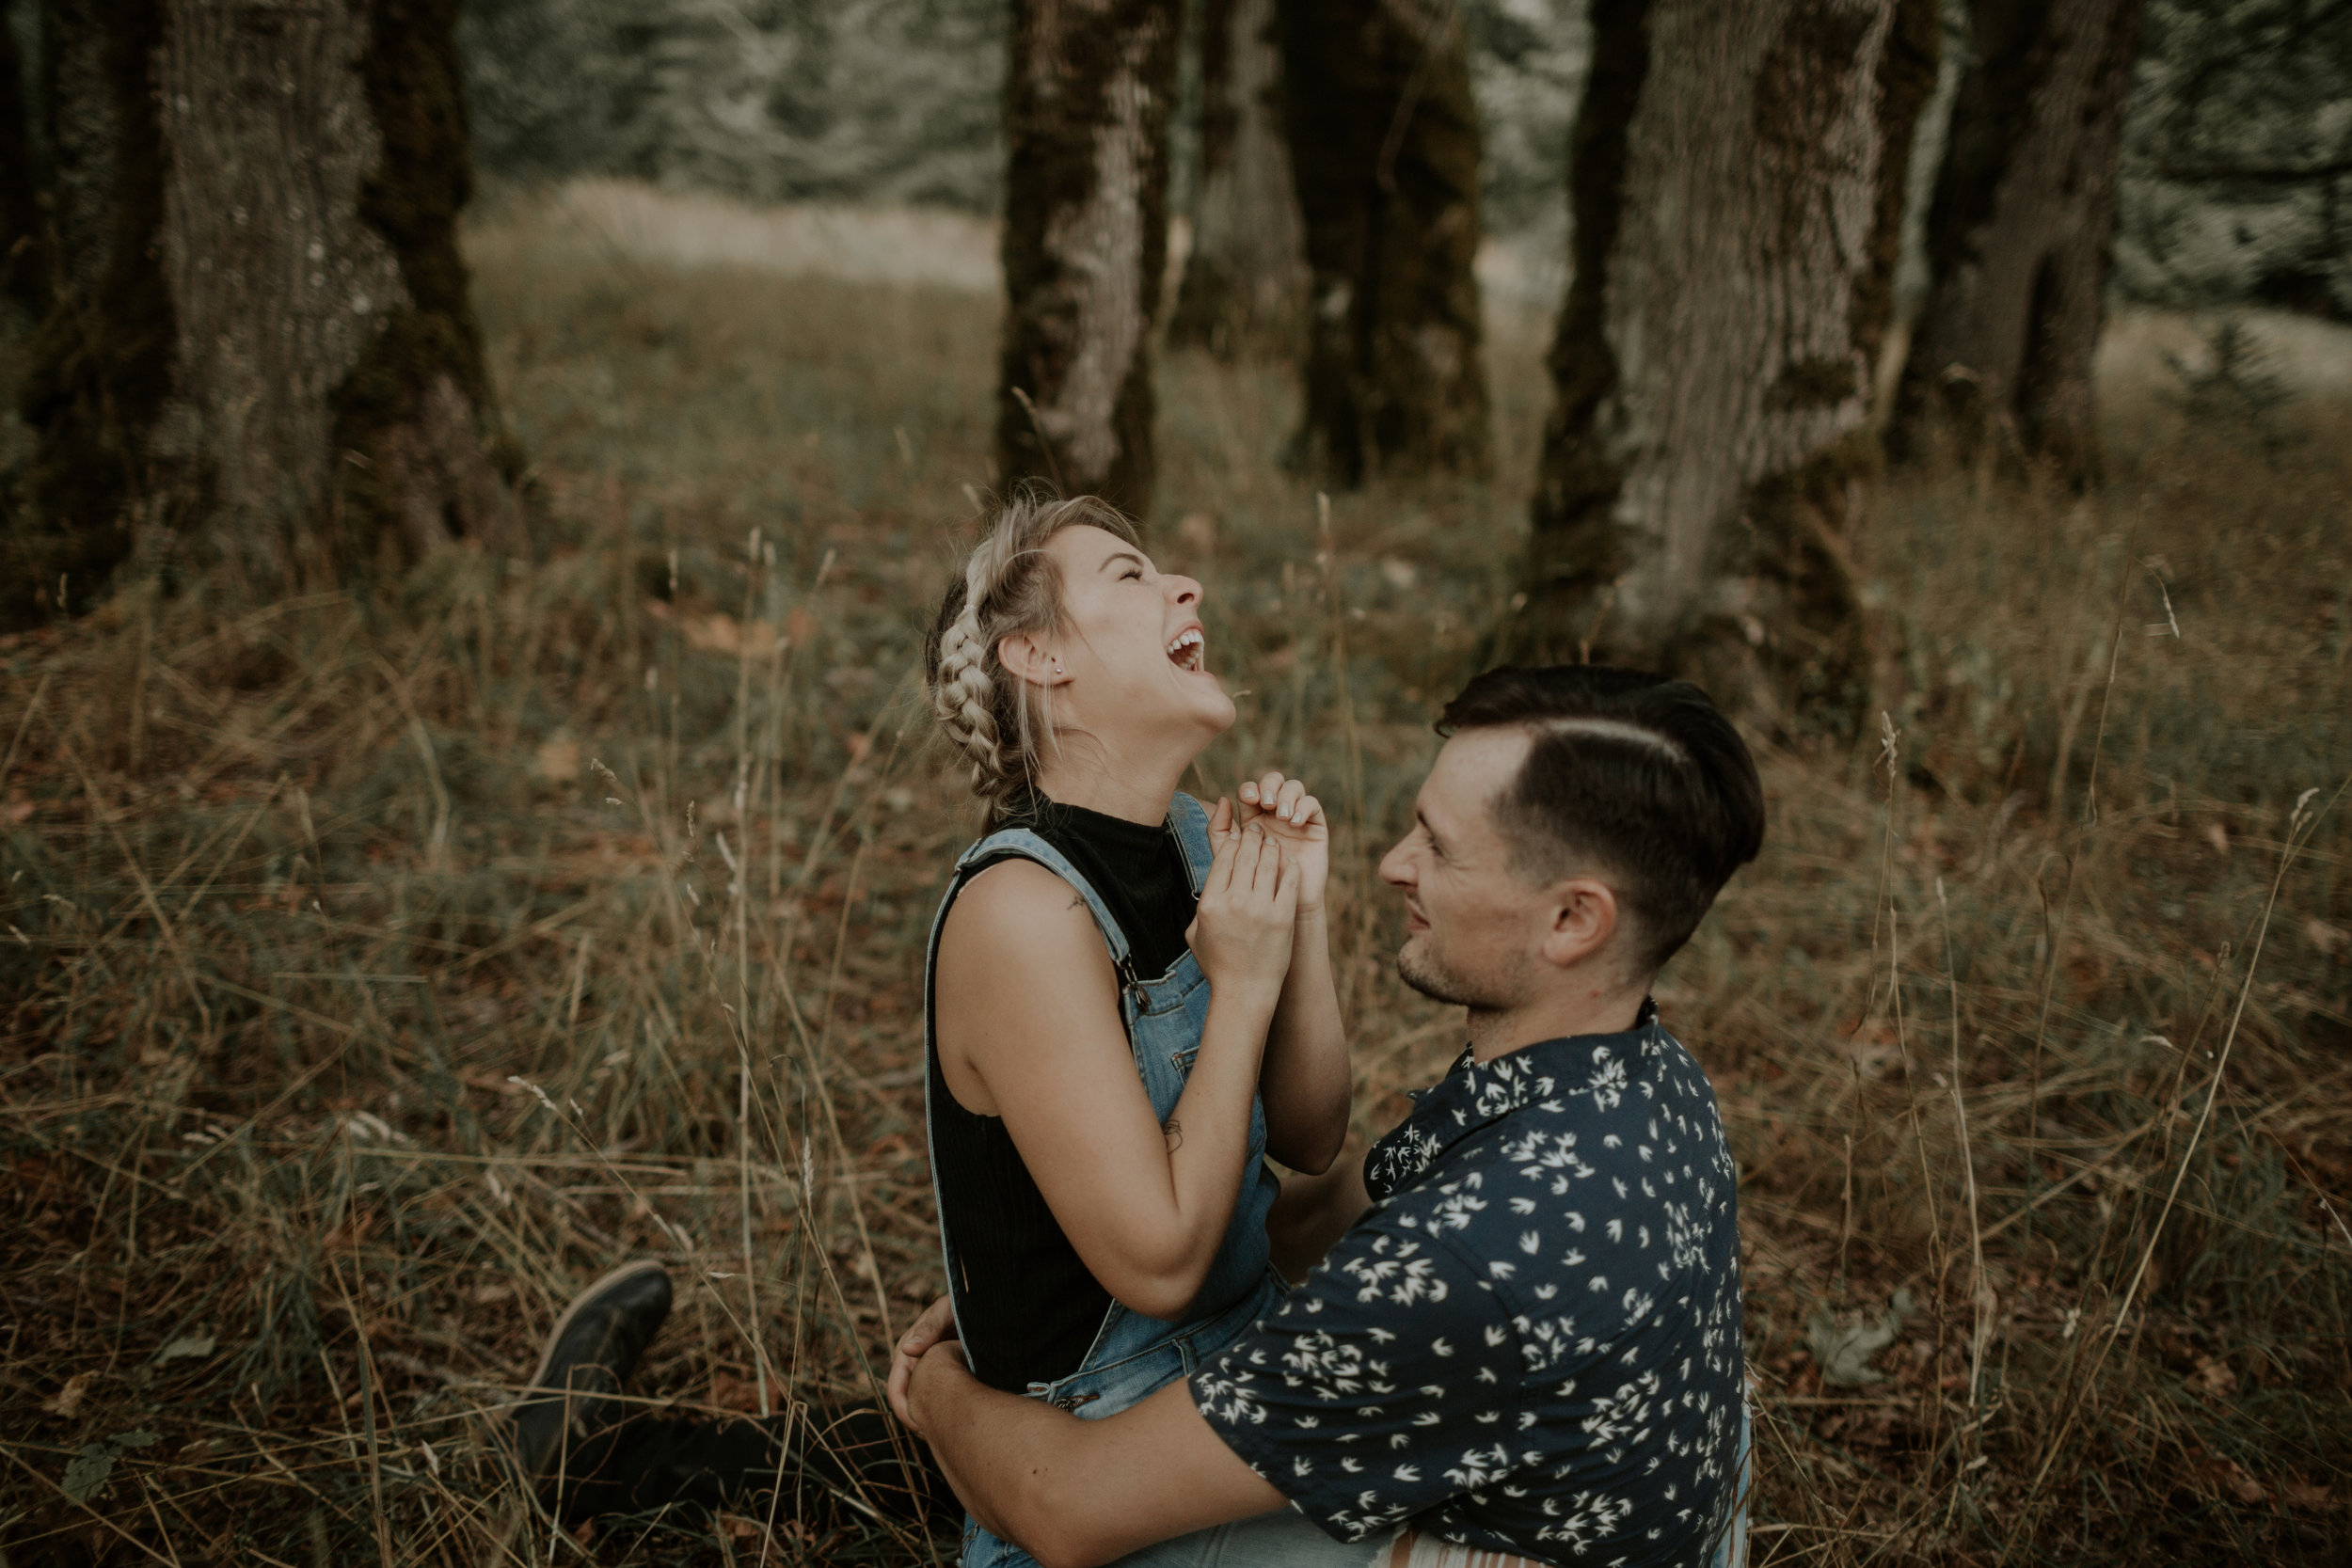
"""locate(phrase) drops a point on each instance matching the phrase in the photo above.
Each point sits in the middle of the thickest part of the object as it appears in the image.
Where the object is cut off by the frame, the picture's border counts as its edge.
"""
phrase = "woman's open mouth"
(1186, 652)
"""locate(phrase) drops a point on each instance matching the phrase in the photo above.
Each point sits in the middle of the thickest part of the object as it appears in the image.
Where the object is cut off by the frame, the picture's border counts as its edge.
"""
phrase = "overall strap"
(1020, 842)
(1028, 846)
(1190, 820)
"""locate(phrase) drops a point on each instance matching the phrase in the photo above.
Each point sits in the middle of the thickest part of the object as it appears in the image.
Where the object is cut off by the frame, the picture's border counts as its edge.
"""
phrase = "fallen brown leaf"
(67, 1402)
(2235, 1480)
(2214, 1376)
(2303, 1493)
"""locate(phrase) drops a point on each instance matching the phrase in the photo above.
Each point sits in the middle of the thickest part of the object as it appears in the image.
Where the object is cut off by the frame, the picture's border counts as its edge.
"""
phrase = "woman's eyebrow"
(1124, 555)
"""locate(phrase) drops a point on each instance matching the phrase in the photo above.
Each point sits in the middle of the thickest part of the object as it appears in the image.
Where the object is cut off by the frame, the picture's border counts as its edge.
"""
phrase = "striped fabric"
(1415, 1549)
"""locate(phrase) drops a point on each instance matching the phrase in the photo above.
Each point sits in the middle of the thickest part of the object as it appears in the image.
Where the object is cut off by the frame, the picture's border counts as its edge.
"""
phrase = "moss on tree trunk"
(1244, 282)
(23, 281)
(426, 456)
(100, 372)
(1737, 177)
(2019, 233)
(259, 357)
(1088, 97)
(1384, 140)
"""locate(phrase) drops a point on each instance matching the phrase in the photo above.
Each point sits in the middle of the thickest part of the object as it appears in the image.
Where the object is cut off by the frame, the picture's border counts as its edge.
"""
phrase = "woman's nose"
(1184, 591)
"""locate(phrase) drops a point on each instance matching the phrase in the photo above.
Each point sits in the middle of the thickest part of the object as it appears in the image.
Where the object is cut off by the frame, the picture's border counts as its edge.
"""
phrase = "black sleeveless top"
(1028, 1305)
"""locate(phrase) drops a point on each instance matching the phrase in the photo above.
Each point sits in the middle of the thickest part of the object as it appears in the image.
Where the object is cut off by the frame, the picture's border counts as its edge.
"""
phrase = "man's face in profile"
(1471, 924)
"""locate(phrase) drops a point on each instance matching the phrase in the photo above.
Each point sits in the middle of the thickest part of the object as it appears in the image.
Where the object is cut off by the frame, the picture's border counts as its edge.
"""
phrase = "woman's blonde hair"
(998, 722)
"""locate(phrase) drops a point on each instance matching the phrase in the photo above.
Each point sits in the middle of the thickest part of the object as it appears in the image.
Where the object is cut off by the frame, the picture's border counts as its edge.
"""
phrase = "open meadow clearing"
(378, 971)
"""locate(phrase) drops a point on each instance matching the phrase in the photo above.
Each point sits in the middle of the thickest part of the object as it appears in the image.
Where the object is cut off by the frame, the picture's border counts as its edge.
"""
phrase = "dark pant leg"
(823, 1466)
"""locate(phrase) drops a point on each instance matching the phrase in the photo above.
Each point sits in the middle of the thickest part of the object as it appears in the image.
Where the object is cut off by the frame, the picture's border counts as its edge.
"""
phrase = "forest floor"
(376, 973)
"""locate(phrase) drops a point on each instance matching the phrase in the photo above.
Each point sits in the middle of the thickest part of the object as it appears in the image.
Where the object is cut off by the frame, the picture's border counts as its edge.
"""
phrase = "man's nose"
(1396, 866)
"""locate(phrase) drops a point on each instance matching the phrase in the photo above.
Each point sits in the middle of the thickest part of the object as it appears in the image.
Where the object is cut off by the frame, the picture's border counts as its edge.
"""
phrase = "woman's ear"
(1025, 659)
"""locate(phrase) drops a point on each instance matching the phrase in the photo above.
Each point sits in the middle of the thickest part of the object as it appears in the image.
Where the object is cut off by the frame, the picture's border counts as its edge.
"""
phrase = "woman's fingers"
(1286, 800)
(1221, 819)
(1224, 854)
(1262, 864)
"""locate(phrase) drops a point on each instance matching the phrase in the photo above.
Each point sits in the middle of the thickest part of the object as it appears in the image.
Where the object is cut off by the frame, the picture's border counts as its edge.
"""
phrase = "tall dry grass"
(378, 971)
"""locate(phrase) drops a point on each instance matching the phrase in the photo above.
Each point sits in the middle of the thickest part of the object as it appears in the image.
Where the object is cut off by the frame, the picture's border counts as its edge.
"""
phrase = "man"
(1526, 1343)
(1529, 1343)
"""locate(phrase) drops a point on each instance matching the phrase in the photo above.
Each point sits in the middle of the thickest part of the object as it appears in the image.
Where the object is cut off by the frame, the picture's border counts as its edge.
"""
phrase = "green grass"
(375, 973)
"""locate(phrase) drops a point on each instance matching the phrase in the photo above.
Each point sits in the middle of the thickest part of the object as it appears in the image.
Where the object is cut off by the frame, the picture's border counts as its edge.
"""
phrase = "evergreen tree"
(2236, 181)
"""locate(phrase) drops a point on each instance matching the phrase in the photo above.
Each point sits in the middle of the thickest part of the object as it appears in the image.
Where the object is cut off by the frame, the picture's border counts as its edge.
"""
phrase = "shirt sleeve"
(1384, 1386)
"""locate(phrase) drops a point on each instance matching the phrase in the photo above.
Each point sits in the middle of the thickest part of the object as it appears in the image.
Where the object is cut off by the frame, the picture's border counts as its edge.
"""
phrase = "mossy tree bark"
(260, 356)
(1245, 284)
(23, 281)
(2020, 231)
(1384, 141)
(1087, 98)
(1737, 179)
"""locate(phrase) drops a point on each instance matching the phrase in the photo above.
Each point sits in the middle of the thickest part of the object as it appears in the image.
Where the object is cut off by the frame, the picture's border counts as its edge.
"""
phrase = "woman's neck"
(1133, 790)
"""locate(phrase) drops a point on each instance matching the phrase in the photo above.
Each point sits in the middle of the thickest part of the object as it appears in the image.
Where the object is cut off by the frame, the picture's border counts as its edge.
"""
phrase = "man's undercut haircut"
(1631, 776)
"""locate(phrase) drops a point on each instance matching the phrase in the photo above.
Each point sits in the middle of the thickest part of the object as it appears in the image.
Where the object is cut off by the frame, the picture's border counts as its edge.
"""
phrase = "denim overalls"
(1133, 1355)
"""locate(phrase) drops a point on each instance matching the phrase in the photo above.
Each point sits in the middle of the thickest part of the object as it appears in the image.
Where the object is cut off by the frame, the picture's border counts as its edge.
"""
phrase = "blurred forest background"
(474, 479)
(2233, 167)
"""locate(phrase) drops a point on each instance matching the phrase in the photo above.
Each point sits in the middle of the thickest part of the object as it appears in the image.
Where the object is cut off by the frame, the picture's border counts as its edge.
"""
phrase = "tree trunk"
(1384, 140)
(1736, 175)
(2019, 234)
(1245, 284)
(260, 353)
(1085, 242)
(24, 283)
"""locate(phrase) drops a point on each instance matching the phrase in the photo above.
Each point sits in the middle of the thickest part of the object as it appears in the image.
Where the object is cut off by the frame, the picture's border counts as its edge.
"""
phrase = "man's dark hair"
(1629, 774)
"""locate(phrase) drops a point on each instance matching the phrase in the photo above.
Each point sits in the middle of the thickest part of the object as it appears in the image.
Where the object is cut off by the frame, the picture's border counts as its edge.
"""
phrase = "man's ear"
(1025, 660)
(1584, 916)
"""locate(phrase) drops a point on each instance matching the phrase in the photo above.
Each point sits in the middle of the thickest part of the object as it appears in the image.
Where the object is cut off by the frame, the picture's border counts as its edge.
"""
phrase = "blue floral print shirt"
(1531, 1343)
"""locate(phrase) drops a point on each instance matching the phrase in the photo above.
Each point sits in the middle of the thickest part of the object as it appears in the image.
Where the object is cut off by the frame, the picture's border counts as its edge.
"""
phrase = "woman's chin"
(1217, 703)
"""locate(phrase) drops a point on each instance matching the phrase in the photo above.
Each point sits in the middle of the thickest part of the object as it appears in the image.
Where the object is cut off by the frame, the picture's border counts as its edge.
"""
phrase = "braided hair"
(997, 723)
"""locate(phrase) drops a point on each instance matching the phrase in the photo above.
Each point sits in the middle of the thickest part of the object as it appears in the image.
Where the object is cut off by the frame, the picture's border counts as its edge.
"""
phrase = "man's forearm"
(1077, 1493)
(1313, 1211)
(1304, 1081)
(996, 1447)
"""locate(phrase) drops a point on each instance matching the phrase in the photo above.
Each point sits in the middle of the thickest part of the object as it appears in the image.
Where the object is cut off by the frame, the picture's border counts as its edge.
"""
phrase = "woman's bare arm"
(1305, 1078)
(1029, 1030)
(1306, 1081)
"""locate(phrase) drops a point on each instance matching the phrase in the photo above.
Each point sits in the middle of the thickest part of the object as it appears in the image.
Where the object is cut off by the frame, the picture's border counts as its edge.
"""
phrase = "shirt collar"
(1474, 1095)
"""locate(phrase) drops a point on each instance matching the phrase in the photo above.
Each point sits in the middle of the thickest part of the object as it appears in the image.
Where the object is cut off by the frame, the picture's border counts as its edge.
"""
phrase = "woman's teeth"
(1186, 650)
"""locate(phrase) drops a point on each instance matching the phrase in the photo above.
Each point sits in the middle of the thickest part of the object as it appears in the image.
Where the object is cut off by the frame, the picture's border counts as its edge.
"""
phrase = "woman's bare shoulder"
(1019, 912)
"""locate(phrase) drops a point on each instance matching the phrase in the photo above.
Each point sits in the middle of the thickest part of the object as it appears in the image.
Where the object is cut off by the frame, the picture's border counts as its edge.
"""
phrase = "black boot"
(593, 1348)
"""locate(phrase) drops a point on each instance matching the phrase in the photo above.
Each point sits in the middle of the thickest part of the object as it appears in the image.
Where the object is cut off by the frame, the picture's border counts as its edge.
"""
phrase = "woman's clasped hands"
(1241, 930)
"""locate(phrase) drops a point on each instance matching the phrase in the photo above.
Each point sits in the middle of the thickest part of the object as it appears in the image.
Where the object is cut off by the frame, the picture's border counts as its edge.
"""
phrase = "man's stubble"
(1441, 983)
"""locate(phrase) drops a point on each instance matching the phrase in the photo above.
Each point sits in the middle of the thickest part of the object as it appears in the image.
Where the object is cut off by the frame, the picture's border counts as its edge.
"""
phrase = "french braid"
(997, 723)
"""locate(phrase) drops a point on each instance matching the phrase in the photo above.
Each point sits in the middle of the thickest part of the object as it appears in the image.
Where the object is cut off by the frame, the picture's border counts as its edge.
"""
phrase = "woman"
(1106, 1059)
